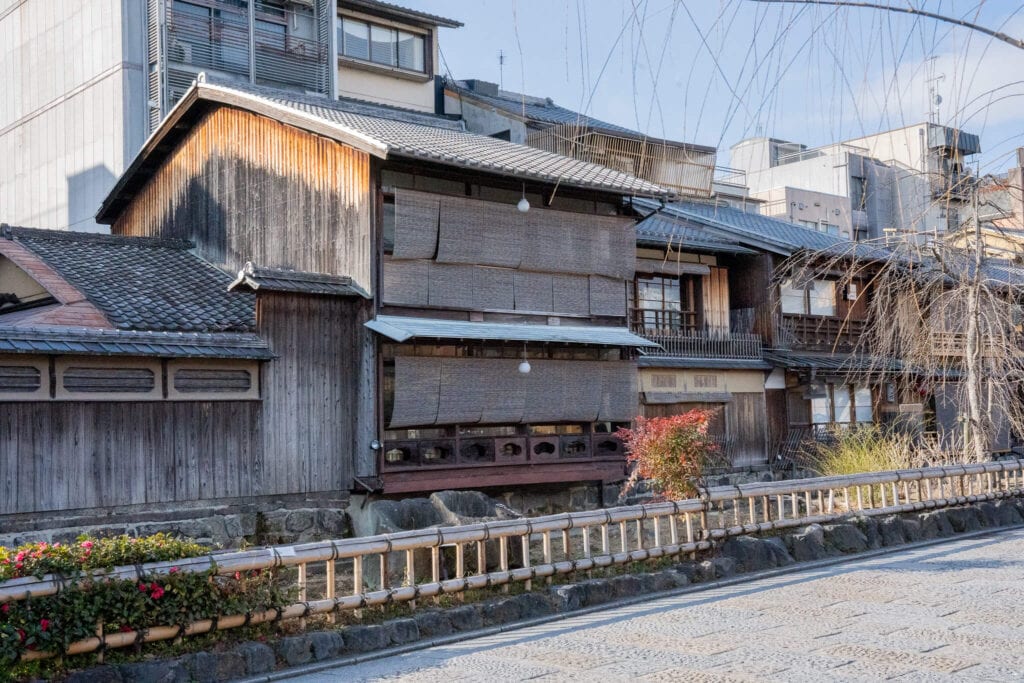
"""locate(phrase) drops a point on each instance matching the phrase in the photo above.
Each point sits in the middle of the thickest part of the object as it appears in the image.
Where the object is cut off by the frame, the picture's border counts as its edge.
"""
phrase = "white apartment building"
(85, 81)
(908, 180)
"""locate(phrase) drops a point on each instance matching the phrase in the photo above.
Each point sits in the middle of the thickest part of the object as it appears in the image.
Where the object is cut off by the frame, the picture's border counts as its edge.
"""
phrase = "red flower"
(238, 576)
(86, 544)
(125, 629)
(21, 635)
(44, 624)
(156, 591)
(5, 608)
(173, 570)
(143, 588)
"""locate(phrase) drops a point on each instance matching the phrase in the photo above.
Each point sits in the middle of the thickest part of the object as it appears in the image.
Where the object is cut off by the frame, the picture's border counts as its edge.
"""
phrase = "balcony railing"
(700, 344)
(820, 331)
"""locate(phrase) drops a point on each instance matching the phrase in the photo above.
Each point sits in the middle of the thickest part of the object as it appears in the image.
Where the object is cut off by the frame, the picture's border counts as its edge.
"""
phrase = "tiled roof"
(544, 110)
(761, 232)
(662, 230)
(254, 278)
(125, 343)
(840, 362)
(383, 132)
(143, 284)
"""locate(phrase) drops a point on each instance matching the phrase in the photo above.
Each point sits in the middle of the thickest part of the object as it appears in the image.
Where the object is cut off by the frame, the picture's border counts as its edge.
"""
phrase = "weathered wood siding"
(750, 287)
(315, 421)
(308, 434)
(741, 424)
(66, 456)
(246, 188)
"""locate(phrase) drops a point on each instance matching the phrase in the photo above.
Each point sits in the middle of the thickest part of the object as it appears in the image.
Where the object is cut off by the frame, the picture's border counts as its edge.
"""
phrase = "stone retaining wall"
(735, 555)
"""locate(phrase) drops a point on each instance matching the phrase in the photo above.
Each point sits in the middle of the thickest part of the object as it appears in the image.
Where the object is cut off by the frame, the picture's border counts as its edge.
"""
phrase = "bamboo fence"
(479, 556)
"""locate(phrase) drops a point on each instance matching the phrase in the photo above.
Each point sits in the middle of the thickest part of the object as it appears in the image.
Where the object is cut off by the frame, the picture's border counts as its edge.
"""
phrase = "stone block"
(780, 554)
(209, 667)
(891, 530)
(964, 519)
(911, 529)
(294, 650)
(434, 623)
(808, 544)
(935, 524)
(584, 498)
(403, 631)
(326, 644)
(332, 523)
(96, 674)
(597, 591)
(501, 612)
(259, 658)
(464, 507)
(723, 567)
(568, 597)
(154, 672)
(298, 521)
(989, 512)
(689, 570)
(366, 638)
(846, 538)
(750, 553)
(1007, 513)
(626, 586)
(872, 534)
(534, 606)
(466, 618)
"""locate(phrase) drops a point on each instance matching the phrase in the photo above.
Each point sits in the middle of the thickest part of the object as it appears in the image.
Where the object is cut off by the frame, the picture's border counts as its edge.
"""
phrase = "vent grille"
(19, 379)
(109, 380)
(199, 380)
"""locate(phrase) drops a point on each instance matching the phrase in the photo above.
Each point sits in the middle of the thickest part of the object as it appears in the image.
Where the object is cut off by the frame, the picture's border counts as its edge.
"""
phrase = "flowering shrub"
(673, 452)
(178, 598)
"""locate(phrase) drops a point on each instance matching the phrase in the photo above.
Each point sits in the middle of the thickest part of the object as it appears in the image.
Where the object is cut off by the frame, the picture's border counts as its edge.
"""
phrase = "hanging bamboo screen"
(416, 221)
(441, 391)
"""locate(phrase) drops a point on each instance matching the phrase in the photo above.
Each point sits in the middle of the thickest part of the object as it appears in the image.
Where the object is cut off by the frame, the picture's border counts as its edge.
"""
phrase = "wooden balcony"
(817, 331)
(700, 344)
(954, 345)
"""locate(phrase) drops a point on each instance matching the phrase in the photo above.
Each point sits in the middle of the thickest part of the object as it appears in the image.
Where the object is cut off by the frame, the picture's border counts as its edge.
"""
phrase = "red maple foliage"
(673, 452)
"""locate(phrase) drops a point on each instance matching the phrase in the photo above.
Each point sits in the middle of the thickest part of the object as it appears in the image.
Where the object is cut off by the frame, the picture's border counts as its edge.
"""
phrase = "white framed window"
(379, 44)
(818, 297)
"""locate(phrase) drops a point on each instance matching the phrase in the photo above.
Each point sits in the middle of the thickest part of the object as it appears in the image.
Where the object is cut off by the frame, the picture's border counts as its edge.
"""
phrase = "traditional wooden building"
(707, 355)
(129, 379)
(479, 336)
(809, 330)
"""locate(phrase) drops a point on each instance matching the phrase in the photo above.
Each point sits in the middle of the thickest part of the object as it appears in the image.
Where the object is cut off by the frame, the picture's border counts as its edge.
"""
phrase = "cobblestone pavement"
(948, 612)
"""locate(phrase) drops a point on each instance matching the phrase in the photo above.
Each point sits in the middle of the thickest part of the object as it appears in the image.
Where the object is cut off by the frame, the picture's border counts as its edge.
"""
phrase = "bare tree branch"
(1009, 40)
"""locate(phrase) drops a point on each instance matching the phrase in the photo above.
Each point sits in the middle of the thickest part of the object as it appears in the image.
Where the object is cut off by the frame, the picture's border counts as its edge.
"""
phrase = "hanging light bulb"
(523, 206)
(524, 366)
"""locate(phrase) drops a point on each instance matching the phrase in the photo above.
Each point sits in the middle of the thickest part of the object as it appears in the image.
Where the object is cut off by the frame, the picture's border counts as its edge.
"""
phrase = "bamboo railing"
(478, 556)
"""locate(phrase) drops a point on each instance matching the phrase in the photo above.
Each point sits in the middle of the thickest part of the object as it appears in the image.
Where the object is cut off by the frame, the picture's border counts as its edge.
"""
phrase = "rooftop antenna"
(501, 69)
(934, 98)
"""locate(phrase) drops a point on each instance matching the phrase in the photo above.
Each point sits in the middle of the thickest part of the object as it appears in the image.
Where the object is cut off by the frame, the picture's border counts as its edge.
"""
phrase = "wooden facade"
(244, 187)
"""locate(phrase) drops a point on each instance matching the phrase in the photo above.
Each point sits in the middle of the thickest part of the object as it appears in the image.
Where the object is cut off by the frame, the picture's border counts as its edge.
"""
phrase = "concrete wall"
(72, 114)
(795, 204)
(385, 88)
(484, 120)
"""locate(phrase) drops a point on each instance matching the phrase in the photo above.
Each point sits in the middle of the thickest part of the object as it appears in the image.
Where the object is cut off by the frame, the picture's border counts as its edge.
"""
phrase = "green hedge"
(53, 622)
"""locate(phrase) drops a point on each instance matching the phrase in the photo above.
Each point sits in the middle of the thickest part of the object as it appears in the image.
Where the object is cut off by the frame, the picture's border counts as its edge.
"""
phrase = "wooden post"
(460, 566)
(525, 545)
(331, 588)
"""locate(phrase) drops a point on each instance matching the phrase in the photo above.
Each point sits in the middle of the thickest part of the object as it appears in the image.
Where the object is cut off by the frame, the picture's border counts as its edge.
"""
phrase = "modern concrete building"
(88, 80)
(908, 180)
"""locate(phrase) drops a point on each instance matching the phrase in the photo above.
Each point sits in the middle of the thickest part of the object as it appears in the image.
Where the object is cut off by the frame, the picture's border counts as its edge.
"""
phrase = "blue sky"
(716, 71)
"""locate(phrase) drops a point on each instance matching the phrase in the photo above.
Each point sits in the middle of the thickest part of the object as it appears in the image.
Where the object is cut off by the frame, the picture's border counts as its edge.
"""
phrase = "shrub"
(869, 448)
(53, 622)
(673, 452)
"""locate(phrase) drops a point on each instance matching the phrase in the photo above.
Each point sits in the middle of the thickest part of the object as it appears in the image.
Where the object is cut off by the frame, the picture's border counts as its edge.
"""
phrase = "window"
(665, 303)
(841, 404)
(818, 297)
(382, 45)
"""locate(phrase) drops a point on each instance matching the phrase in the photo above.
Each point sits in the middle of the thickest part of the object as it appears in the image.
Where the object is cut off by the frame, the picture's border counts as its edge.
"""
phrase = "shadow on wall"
(86, 191)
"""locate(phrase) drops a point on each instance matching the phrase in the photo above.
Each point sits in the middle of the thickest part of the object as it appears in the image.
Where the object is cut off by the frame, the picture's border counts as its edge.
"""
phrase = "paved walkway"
(944, 613)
